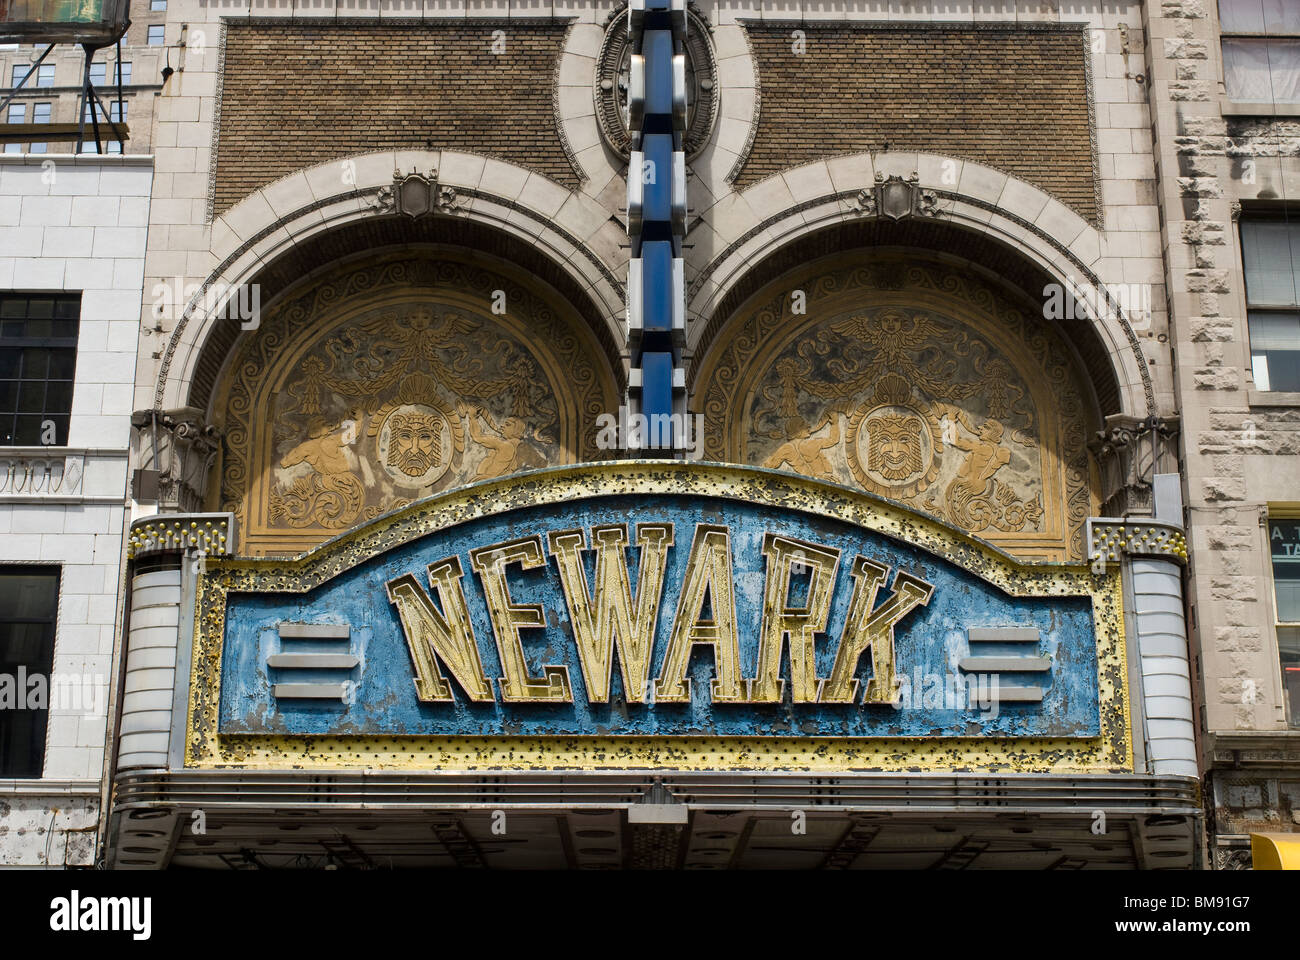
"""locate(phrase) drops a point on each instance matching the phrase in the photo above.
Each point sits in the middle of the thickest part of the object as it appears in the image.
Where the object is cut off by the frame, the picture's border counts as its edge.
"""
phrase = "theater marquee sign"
(658, 615)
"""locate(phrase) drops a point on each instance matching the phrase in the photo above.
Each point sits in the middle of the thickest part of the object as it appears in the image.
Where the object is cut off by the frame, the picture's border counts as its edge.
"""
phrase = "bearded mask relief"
(415, 443)
(895, 449)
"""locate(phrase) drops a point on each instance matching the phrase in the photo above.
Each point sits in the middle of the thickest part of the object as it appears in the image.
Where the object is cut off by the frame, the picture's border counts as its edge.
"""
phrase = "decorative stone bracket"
(416, 195)
(896, 198)
(173, 452)
(1130, 451)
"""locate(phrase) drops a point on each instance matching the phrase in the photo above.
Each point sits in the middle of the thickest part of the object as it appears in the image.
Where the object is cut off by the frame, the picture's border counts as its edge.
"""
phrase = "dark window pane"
(36, 363)
(38, 350)
(63, 364)
(31, 396)
(58, 395)
(29, 427)
(28, 603)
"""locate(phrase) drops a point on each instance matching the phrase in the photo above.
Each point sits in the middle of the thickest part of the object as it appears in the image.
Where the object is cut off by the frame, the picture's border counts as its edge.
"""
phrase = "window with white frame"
(1284, 548)
(1261, 50)
(1270, 251)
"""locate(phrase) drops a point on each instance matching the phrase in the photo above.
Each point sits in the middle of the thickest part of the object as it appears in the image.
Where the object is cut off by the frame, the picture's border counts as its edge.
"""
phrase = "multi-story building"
(1225, 102)
(54, 92)
(72, 246)
(959, 551)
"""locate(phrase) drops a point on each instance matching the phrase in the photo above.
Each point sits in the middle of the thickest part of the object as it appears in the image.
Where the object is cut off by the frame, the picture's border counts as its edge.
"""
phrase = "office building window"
(125, 70)
(41, 112)
(1284, 545)
(17, 113)
(155, 35)
(157, 4)
(45, 75)
(1261, 50)
(117, 110)
(38, 359)
(19, 71)
(29, 605)
(1270, 250)
(98, 73)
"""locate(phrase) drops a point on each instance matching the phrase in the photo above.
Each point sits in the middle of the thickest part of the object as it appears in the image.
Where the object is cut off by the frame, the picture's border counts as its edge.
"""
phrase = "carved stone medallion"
(611, 88)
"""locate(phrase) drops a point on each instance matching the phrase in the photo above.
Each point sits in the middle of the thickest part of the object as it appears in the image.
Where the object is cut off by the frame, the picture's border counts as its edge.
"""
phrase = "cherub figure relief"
(803, 451)
(508, 451)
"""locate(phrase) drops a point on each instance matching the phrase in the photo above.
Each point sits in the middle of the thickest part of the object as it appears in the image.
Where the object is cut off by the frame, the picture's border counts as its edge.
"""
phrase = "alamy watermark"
(658, 431)
(64, 692)
(242, 302)
(1113, 301)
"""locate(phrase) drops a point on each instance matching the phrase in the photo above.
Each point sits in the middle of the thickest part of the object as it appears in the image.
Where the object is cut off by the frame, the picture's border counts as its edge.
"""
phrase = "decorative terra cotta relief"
(393, 379)
(916, 381)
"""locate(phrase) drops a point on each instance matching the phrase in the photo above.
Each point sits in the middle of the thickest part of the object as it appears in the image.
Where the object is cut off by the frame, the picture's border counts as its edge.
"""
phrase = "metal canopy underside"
(555, 821)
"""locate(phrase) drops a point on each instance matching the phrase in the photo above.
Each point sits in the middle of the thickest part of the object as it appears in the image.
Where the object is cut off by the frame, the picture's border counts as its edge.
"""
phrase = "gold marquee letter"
(866, 627)
(432, 636)
(707, 570)
(508, 618)
(798, 623)
(601, 623)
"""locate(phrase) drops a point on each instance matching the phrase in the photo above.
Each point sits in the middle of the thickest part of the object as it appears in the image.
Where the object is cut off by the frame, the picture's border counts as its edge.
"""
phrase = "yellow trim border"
(207, 747)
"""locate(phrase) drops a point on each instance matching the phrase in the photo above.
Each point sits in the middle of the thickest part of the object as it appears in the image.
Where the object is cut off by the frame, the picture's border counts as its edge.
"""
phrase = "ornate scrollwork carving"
(395, 378)
(416, 195)
(173, 451)
(1130, 451)
(896, 197)
(916, 382)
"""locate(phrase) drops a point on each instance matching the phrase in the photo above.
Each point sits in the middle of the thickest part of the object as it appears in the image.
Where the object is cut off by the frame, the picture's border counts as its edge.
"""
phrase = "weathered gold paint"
(872, 627)
(207, 747)
(508, 618)
(797, 625)
(431, 636)
(612, 618)
(708, 570)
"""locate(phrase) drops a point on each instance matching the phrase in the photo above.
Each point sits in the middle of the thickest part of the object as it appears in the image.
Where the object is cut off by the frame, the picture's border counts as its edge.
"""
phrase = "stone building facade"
(1226, 163)
(962, 281)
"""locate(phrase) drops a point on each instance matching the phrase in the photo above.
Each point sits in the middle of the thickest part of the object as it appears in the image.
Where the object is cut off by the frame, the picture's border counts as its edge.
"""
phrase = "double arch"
(1000, 225)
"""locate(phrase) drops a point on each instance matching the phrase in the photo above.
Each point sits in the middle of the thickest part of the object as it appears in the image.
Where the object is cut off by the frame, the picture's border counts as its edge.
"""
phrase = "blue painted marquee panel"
(930, 641)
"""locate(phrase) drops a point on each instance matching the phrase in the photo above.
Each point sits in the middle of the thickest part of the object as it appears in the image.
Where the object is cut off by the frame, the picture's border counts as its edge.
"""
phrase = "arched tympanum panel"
(396, 377)
(916, 380)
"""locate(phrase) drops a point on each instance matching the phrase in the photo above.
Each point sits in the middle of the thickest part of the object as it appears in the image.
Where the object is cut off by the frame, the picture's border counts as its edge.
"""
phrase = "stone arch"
(335, 209)
(999, 225)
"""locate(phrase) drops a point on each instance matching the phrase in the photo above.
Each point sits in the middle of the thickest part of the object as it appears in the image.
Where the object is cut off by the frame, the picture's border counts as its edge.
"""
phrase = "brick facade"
(383, 86)
(1010, 97)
